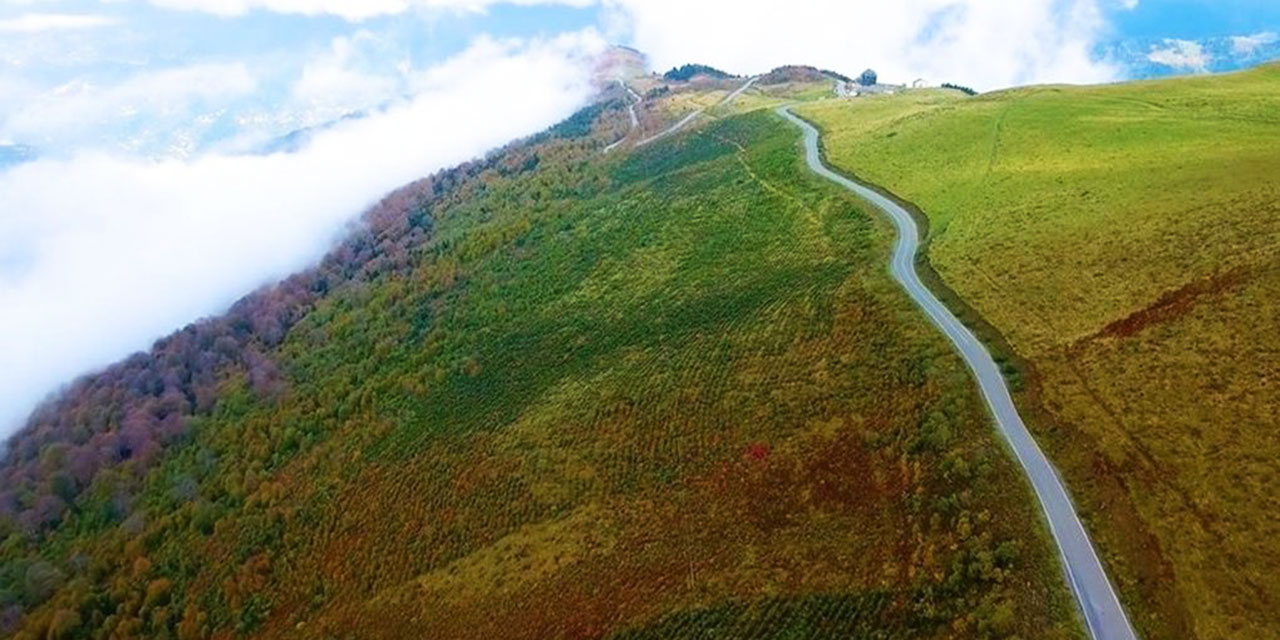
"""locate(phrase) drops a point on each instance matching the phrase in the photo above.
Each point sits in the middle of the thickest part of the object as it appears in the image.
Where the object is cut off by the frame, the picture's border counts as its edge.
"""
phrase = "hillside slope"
(1123, 239)
(555, 393)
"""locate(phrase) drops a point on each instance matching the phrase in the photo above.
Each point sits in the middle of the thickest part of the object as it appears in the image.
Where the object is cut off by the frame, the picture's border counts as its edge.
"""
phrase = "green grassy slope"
(667, 394)
(1124, 240)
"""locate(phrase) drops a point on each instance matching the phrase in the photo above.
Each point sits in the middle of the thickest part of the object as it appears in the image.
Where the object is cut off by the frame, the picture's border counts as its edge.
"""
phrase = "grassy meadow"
(663, 394)
(1125, 241)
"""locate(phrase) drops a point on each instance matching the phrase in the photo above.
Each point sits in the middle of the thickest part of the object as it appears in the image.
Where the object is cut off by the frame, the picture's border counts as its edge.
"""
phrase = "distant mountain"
(298, 138)
(800, 73)
(690, 71)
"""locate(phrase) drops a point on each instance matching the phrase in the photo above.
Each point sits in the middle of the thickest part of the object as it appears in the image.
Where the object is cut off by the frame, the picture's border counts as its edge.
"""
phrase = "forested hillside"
(1124, 240)
(552, 393)
(691, 71)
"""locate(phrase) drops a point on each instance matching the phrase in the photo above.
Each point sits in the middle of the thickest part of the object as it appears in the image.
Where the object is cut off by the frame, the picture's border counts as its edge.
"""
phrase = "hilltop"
(691, 71)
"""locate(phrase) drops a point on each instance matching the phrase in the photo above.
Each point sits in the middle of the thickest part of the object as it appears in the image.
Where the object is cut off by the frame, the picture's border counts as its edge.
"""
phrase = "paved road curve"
(1103, 614)
(631, 110)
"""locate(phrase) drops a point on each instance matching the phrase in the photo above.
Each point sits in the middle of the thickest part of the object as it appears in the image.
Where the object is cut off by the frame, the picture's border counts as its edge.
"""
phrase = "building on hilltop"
(868, 84)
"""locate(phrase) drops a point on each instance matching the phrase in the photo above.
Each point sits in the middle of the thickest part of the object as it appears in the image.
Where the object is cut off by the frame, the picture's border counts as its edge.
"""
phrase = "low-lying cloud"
(1185, 55)
(99, 254)
(1247, 45)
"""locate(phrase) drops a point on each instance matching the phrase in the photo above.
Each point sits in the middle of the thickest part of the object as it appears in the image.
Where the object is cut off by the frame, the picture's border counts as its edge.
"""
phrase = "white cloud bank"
(1247, 45)
(1181, 54)
(100, 255)
(982, 43)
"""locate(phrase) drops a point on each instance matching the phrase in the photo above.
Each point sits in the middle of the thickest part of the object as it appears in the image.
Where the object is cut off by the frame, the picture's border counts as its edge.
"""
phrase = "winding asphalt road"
(1103, 614)
(631, 110)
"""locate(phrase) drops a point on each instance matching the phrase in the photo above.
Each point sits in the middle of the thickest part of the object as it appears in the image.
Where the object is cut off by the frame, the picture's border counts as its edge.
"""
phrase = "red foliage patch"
(758, 451)
(1173, 304)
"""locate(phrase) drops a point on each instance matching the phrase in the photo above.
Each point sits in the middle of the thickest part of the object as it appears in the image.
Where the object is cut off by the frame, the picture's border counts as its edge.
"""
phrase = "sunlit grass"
(1124, 239)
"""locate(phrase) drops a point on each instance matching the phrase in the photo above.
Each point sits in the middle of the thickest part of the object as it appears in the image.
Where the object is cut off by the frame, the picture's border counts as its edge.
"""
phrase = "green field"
(664, 394)
(1125, 241)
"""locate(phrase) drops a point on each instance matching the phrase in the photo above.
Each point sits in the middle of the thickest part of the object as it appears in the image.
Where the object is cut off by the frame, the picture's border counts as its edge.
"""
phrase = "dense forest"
(962, 89)
(687, 72)
(84, 457)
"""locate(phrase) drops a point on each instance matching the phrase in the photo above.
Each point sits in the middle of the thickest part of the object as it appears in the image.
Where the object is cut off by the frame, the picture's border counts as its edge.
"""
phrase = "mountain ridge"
(549, 392)
(384, 420)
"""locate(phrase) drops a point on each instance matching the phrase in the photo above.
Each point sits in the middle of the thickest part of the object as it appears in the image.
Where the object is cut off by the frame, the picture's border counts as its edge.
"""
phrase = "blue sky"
(138, 191)
(1191, 36)
(1195, 19)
